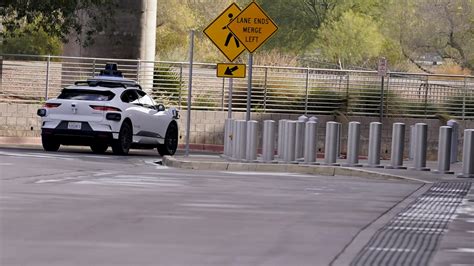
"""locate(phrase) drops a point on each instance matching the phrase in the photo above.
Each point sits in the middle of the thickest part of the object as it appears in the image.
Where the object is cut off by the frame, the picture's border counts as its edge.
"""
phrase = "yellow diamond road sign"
(221, 36)
(252, 27)
(231, 70)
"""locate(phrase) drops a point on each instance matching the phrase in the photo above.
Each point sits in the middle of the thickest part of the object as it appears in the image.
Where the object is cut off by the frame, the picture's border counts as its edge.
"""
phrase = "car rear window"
(86, 95)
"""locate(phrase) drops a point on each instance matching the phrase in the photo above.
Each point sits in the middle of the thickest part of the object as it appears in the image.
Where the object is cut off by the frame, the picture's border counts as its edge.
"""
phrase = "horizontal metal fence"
(32, 79)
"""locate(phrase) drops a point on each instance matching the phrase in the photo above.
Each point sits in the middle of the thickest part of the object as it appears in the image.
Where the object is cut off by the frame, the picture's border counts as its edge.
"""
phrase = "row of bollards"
(297, 143)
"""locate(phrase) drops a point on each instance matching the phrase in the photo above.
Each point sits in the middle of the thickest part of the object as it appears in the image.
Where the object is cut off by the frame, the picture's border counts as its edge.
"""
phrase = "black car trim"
(148, 134)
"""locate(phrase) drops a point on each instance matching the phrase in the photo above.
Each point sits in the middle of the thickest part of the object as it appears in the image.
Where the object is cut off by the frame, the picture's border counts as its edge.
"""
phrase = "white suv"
(108, 110)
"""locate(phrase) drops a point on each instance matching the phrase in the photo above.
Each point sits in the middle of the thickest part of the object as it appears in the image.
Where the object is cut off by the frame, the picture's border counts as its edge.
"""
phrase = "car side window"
(130, 96)
(146, 100)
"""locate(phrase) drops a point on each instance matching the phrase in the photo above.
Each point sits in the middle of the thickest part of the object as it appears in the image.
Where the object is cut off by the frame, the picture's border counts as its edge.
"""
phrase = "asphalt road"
(76, 208)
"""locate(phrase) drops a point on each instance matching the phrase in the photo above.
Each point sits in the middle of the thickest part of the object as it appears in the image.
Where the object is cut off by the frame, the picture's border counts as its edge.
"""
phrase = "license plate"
(74, 125)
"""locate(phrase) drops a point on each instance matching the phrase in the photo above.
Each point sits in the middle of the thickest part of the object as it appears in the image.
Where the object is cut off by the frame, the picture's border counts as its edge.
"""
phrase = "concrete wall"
(131, 33)
(207, 127)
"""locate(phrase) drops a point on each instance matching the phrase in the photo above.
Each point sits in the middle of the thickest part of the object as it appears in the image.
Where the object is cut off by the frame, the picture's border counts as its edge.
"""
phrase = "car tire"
(99, 148)
(121, 146)
(171, 141)
(50, 144)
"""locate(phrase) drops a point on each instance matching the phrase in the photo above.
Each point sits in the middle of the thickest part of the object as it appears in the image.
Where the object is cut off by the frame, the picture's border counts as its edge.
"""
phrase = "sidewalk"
(217, 162)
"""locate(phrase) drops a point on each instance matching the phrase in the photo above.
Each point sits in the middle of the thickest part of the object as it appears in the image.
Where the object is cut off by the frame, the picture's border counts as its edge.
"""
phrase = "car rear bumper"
(84, 136)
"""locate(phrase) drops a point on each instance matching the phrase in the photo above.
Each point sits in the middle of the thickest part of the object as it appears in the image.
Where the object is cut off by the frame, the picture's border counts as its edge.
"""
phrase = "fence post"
(93, 68)
(425, 103)
(307, 95)
(47, 78)
(139, 69)
(265, 90)
(180, 84)
(464, 99)
(381, 99)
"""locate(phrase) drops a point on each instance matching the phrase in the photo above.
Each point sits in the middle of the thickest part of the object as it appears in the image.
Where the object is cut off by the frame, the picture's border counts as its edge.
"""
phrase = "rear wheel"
(171, 141)
(99, 148)
(49, 144)
(122, 145)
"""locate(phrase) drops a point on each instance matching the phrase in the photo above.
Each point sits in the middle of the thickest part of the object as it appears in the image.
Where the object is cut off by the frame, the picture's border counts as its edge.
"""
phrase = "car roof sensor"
(111, 70)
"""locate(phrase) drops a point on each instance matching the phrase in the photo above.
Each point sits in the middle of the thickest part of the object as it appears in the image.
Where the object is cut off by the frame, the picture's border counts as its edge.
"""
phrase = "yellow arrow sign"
(252, 27)
(231, 70)
(221, 36)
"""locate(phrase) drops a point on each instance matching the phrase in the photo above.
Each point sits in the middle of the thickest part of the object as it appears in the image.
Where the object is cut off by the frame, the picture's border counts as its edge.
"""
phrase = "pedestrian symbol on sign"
(230, 35)
(222, 37)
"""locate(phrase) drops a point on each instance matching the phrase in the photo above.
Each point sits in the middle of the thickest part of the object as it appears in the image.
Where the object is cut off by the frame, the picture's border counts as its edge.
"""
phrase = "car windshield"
(86, 95)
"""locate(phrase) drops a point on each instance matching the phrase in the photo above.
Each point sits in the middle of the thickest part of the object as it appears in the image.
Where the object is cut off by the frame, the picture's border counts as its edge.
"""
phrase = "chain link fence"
(32, 79)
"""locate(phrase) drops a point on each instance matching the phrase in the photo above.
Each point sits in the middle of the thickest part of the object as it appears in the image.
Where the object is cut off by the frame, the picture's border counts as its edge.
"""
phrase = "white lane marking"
(34, 155)
(215, 205)
(171, 216)
(53, 156)
(95, 156)
(5, 164)
(43, 181)
(392, 249)
(103, 173)
(463, 250)
(417, 229)
(126, 183)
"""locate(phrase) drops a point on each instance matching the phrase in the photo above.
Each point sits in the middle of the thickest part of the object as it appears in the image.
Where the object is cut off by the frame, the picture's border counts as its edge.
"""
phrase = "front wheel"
(121, 146)
(49, 144)
(171, 141)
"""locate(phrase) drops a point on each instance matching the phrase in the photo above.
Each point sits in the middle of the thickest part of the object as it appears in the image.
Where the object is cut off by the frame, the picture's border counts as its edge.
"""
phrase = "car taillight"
(105, 108)
(51, 105)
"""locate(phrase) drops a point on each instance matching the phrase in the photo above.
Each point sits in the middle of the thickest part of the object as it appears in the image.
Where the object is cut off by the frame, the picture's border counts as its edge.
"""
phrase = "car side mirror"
(160, 107)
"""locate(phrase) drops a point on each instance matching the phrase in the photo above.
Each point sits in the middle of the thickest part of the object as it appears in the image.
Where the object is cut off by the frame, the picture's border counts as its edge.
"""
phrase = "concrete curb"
(291, 168)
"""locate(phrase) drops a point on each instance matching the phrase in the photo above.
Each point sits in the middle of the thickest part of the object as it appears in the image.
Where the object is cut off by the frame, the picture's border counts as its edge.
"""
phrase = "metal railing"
(32, 79)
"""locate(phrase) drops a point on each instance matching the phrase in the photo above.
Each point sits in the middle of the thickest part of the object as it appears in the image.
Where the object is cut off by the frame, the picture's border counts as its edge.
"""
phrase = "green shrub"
(454, 106)
(167, 85)
(323, 100)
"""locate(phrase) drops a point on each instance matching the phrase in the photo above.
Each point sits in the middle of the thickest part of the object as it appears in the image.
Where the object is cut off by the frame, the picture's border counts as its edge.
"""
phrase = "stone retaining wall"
(207, 127)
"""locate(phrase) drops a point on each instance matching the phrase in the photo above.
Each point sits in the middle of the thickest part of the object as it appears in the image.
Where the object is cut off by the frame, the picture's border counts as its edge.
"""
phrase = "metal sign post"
(382, 72)
(190, 87)
(231, 88)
